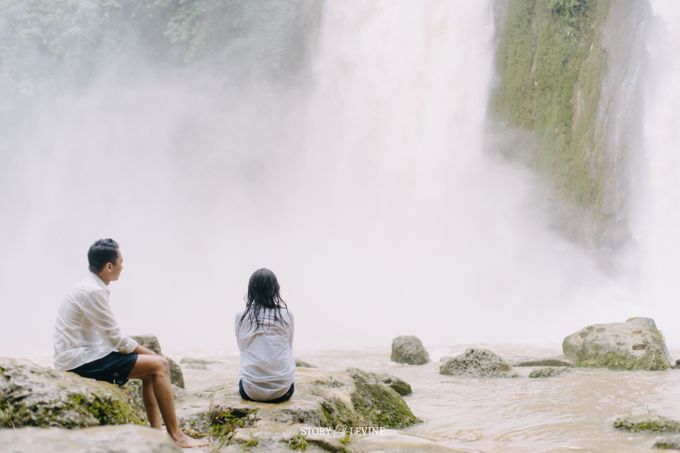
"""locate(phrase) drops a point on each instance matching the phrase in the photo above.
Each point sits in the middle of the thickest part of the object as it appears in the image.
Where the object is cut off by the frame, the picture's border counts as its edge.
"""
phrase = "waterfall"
(657, 228)
(365, 177)
(426, 229)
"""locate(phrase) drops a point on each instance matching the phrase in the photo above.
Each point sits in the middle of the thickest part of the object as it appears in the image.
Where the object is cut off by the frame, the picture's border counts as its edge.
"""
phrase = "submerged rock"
(102, 439)
(303, 364)
(151, 342)
(545, 362)
(647, 422)
(398, 385)
(31, 395)
(668, 443)
(410, 350)
(477, 362)
(549, 372)
(632, 345)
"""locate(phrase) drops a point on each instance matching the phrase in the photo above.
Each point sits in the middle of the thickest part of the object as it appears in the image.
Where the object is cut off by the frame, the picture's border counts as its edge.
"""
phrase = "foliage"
(551, 66)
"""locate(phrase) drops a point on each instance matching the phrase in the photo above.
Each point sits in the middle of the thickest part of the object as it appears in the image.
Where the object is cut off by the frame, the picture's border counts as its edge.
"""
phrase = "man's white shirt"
(86, 329)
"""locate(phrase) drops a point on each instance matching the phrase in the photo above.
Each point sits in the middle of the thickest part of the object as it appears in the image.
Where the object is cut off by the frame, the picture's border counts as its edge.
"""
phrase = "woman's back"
(267, 363)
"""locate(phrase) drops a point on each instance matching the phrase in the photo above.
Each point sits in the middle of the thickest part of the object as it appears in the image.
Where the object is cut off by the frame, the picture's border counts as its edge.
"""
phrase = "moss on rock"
(549, 372)
(34, 396)
(224, 421)
(648, 423)
(298, 443)
(558, 83)
(635, 344)
(546, 362)
(668, 443)
(377, 404)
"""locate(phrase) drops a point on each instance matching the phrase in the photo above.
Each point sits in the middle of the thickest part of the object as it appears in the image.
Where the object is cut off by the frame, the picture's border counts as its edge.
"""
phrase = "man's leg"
(157, 369)
(153, 413)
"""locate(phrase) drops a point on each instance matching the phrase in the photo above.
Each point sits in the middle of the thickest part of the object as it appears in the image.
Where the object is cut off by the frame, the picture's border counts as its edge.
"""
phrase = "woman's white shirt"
(267, 363)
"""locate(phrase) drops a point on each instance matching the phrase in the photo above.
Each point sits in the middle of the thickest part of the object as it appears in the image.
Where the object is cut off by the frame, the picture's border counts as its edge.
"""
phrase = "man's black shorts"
(114, 368)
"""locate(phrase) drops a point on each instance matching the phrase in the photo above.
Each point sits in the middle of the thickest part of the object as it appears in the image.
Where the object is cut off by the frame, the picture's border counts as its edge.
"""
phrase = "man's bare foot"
(185, 441)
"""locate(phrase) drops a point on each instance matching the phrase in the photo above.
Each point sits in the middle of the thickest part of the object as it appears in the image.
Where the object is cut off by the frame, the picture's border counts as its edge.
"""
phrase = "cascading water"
(658, 223)
(369, 184)
(429, 233)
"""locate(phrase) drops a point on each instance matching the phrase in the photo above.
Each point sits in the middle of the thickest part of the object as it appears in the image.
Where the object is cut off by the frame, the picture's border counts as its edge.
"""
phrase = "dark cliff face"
(565, 102)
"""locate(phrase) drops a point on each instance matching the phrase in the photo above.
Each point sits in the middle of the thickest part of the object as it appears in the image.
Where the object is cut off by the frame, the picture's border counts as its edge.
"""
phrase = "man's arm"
(100, 315)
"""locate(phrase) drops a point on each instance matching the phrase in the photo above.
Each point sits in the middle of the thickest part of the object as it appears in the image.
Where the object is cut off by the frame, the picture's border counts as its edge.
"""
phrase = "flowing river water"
(573, 412)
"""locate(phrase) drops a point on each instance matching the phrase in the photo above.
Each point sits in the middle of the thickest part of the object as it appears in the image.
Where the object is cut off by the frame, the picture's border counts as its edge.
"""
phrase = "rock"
(477, 362)
(102, 439)
(176, 375)
(632, 345)
(31, 395)
(549, 372)
(398, 385)
(303, 364)
(677, 364)
(668, 443)
(647, 422)
(409, 349)
(546, 362)
(196, 364)
(322, 398)
(151, 342)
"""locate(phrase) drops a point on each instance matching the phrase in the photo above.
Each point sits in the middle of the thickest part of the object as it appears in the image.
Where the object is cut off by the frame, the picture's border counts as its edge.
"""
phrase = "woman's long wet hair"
(263, 293)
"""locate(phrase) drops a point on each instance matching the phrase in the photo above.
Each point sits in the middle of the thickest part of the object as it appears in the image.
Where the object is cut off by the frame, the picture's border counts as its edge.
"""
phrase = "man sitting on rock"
(88, 341)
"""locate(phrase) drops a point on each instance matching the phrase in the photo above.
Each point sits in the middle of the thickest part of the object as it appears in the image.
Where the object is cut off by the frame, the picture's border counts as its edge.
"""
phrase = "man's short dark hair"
(101, 252)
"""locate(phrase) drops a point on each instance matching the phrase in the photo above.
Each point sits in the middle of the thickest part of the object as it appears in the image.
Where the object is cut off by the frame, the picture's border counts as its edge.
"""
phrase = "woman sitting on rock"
(264, 332)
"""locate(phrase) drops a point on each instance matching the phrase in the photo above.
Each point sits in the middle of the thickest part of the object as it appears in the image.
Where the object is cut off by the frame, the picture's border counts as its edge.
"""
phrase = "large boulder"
(632, 345)
(31, 395)
(102, 439)
(151, 342)
(324, 401)
(409, 349)
(478, 363)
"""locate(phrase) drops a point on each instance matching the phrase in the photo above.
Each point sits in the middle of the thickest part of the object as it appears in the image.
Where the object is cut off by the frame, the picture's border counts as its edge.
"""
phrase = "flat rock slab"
(102, 439)
(331, 399)
(549, 372)
(545, 363)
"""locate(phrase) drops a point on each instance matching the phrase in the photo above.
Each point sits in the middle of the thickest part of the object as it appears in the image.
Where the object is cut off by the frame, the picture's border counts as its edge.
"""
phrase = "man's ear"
(109, 266)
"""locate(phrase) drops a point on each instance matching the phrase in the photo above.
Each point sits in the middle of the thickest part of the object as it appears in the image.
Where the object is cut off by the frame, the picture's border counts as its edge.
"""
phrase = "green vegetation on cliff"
(551, 65)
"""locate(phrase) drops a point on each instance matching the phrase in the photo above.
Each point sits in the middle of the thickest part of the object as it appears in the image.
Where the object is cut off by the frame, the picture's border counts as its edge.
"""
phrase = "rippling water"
(573, 412)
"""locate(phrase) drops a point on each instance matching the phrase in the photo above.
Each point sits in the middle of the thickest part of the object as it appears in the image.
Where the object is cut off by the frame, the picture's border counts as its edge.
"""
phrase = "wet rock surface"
(635, 344)
(31, 395)
(477, 363)
(103, 439)
(409, 350)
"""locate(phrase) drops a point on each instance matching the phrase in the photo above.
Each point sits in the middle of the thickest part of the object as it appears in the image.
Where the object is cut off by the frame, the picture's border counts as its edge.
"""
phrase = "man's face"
(117, 267)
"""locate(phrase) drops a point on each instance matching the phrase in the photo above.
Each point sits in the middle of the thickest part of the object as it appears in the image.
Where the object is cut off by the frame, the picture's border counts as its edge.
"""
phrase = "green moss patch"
(648, 423)
(552, 65)
(378, 404)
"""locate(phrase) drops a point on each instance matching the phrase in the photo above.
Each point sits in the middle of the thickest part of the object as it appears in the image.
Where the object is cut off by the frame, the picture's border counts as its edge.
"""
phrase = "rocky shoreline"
(332, 410)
